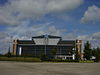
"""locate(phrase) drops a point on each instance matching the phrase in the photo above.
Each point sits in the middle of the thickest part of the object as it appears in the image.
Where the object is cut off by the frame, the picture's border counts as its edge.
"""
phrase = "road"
(24, 68)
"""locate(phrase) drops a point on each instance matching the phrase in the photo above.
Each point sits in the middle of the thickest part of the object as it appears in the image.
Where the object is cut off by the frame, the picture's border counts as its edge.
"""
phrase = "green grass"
(87, 61)
(24, 59)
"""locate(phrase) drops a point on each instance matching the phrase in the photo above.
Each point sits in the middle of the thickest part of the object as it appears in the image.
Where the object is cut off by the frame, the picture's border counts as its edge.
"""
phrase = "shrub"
(44, 57)
(60, 60)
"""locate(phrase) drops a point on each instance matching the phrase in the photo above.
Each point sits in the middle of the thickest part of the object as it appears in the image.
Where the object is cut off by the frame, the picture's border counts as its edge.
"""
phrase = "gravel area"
(24, 68)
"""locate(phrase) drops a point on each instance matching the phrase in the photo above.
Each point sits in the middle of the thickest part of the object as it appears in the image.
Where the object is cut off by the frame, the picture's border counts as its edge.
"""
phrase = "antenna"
(10, 43)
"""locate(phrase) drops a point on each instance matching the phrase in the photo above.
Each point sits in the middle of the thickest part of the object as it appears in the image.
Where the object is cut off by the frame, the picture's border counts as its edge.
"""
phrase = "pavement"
(25, 68)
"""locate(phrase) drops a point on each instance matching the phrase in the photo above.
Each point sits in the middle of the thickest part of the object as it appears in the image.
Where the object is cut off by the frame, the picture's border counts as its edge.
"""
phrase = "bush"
(44, 57)
(60, 60)
(96, 60)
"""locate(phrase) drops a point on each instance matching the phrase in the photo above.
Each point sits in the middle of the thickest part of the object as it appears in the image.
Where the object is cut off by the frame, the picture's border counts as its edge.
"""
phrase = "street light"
(73, 53)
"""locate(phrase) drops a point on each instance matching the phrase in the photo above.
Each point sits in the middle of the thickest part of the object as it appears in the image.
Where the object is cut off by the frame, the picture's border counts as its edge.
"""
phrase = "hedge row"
(60, 60)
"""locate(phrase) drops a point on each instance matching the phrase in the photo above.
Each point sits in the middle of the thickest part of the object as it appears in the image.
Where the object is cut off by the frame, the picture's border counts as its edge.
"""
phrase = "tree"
(93, 51)
(54, 52)
(87, 50)
(97, 54)
(8, 54)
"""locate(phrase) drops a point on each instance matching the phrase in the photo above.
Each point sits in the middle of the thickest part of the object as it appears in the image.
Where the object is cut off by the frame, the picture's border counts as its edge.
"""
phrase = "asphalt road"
(23, 68)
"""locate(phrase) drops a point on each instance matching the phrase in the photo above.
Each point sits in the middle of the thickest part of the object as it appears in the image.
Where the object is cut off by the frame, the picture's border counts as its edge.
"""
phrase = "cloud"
(96, 35)
(91, 15)
(94, 39)
(69, 36)
(62, 5)
(44, 6)
(8, 19)
(85, 37)
(25, 31)
(15, 11)
(3, 35)
(4, 42)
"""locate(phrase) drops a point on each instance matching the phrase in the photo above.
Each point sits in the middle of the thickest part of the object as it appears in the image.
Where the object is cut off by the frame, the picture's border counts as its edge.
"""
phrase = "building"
(45, 44)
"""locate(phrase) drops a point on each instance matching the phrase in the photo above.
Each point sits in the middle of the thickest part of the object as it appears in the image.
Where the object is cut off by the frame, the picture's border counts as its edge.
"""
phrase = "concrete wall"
(14, 46)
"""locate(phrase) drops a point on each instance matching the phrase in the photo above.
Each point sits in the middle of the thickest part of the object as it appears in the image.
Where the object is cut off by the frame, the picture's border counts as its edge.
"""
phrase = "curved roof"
(46, 36)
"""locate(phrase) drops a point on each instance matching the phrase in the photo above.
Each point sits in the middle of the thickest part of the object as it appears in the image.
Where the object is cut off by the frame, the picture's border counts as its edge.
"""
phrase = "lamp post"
(73, 53)
(46, 41)
(9, 49)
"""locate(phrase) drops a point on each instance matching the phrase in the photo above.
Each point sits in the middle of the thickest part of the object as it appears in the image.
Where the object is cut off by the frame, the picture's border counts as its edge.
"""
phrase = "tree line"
(90, 52)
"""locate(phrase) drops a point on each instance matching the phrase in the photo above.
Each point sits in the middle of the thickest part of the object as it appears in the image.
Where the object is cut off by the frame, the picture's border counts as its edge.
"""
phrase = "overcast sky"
(71, 19)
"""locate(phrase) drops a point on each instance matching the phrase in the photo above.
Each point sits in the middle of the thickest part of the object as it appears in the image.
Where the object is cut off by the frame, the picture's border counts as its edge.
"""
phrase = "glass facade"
(37, 50)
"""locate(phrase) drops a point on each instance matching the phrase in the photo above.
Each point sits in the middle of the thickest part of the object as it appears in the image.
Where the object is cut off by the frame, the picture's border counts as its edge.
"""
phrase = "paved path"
(21, 68)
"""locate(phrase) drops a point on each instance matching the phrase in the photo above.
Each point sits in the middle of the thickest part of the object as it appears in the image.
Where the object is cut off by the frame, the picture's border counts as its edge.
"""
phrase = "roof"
(46, 36)
(66, 42)
(25, 42)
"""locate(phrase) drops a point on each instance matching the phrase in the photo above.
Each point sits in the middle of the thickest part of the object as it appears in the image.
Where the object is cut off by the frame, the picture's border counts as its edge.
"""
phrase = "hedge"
(60, 60)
